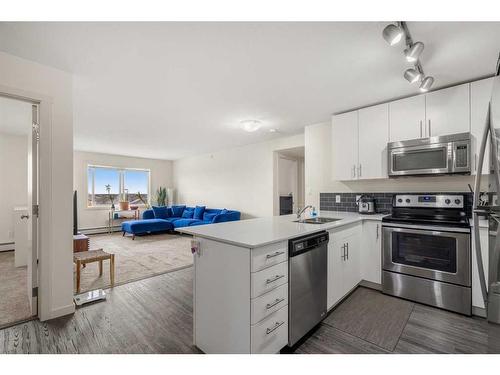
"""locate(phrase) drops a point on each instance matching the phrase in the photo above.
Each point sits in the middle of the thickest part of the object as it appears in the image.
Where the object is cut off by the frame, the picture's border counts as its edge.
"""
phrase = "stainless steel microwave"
(448, 154)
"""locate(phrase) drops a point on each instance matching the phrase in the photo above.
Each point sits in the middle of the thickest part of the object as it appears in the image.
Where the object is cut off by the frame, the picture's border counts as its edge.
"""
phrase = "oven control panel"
(429, 200)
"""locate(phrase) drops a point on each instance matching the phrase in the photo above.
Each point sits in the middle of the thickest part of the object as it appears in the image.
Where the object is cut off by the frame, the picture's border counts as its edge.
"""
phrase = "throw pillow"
(198, 212)
(209, 217)
(177, 211)
(188, 213)
(161, 212)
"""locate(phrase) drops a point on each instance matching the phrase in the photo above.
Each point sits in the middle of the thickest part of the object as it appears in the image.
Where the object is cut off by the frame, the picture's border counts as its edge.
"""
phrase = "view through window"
(107, 185)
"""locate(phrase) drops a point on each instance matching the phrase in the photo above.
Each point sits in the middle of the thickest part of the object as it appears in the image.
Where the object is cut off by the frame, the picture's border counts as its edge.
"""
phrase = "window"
(106, 184)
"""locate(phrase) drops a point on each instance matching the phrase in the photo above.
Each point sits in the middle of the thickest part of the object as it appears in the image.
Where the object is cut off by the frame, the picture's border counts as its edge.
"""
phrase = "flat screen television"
(75, 214)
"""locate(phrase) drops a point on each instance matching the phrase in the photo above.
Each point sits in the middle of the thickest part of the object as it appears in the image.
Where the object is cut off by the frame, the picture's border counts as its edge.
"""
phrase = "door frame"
(43, 238)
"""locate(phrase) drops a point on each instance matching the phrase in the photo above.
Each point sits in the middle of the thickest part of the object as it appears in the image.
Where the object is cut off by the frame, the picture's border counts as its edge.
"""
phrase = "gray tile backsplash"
(383, 201)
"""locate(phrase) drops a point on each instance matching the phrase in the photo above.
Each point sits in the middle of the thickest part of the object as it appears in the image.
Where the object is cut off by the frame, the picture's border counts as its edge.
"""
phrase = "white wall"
(240, 178)
(319, 172)
(161, 175)
(14, 184)
(56, 178)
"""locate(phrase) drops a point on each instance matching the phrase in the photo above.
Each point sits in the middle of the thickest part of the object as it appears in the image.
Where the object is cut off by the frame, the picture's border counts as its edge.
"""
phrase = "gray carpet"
(14, 304)
(143, 257)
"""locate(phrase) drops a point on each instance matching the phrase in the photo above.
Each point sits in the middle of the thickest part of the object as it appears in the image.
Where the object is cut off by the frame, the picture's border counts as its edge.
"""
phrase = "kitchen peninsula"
(241, 287)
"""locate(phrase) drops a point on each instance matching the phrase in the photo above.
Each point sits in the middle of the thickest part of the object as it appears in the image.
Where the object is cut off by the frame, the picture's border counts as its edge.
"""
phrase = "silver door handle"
(25, 216)
(269, 256)
(277, 301)
(275, 327)
(275, 278)
(420, 128)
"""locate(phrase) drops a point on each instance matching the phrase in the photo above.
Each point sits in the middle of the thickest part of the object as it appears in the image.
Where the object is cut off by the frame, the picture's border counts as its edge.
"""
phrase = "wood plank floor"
(155, 316)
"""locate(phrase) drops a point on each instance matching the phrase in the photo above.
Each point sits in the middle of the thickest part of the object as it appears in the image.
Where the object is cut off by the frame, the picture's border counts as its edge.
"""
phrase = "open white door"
(32, 257)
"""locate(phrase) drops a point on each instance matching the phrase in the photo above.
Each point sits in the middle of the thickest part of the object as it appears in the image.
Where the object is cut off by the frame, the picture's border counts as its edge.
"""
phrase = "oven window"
(422, 159)
(425, 251)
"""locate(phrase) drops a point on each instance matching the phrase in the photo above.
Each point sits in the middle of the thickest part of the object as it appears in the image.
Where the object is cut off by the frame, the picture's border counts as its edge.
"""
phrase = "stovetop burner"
(436, 209)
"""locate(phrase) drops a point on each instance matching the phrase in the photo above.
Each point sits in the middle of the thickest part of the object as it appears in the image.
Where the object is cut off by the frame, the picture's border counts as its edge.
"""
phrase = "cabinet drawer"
(271, 335)
(268, 279)
(267, 256)
(268, 303)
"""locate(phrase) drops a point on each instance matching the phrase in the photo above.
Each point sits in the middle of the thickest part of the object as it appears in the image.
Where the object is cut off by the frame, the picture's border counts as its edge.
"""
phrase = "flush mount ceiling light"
(250, 125)
(413, 53)
(412, 75)
(426, 84)
(393, 34)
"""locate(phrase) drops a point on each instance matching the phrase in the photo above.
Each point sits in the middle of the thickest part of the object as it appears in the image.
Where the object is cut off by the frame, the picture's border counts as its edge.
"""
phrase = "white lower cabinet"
(344, 261)
(240, 298)
(371, 251)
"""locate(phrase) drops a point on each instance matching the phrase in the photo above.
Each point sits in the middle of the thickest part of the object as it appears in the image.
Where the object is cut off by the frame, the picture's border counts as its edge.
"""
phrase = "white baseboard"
(7, 246)
(99, 230)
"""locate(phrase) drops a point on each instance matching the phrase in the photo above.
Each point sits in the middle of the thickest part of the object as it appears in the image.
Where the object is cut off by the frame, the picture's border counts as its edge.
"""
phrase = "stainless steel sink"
(317, 220)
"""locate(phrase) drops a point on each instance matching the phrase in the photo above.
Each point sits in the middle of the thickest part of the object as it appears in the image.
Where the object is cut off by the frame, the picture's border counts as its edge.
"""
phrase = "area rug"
(137, 259)
(14, 304)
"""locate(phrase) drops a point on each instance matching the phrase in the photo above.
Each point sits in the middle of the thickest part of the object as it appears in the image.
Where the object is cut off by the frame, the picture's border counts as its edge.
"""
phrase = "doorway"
(289, 181)
(19, 138)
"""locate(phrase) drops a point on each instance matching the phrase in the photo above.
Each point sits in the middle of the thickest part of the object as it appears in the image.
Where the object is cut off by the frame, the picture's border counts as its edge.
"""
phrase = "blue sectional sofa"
(160, 219)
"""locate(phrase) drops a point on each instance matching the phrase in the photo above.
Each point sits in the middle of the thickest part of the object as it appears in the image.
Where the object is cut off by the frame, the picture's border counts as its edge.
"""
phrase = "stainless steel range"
(426, 254)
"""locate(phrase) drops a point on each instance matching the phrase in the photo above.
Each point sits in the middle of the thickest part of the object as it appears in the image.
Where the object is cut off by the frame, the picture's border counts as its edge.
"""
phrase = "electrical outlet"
(357, 199)
(337, 199)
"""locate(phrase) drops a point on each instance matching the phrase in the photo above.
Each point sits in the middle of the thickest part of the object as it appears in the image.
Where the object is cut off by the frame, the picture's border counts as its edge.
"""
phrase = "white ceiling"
(167, 90)
(15, 116)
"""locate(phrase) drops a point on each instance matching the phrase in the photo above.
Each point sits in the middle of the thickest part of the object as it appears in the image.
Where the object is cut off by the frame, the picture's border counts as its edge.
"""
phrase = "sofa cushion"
(188, 213)
(184, 222)
(223, 211)
(145, 226)
(208, 217)
(198, 212)
(162, 212)
(177, 211)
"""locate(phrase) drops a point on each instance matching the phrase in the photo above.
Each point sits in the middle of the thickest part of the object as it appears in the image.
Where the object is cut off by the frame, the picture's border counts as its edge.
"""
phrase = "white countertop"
(258, 232)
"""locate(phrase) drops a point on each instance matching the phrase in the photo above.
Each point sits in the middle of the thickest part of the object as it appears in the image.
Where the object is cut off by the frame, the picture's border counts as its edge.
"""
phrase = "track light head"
(412, 75)
(393, 34)
(413, 53)
(426, 84)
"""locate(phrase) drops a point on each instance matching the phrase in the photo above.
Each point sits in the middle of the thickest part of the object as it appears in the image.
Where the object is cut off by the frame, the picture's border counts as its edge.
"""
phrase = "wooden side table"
(80, 243)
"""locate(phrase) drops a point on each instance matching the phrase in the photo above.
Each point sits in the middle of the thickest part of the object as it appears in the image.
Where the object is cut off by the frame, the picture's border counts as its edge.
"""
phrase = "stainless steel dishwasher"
(307, 280)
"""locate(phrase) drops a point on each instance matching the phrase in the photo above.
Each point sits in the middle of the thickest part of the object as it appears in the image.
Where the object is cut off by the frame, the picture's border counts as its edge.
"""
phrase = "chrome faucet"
(301, 211)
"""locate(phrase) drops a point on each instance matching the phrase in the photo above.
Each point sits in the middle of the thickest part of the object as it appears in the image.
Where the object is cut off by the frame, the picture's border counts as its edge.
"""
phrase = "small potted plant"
(110, 197)
(161, 196)
(124, 203)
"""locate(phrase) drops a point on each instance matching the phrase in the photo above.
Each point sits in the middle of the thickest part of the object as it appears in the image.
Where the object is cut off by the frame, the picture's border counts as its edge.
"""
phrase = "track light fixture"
(413, 53)
(393, 34)
(426, 83)
(412, 75)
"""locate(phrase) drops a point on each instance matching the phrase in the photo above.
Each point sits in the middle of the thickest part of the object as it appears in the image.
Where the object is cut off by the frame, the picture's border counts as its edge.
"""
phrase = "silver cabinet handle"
(276, 301)
(429, 128)
(342, 256)
(269, 256)
(359, 173)
(420, 128)
(353, 171)
(377, 231)
(347, 251)
(25, 216)
(275, 278)
(274, 327)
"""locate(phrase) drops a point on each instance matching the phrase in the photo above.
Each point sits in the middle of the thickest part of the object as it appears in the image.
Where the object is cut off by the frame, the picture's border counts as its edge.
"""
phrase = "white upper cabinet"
(480, 95)
(373, 128)
(345, 146)
(447, 111)
(407, 118)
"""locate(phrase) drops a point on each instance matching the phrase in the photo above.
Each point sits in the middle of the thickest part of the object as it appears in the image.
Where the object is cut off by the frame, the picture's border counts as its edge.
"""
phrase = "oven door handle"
(427, 228)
